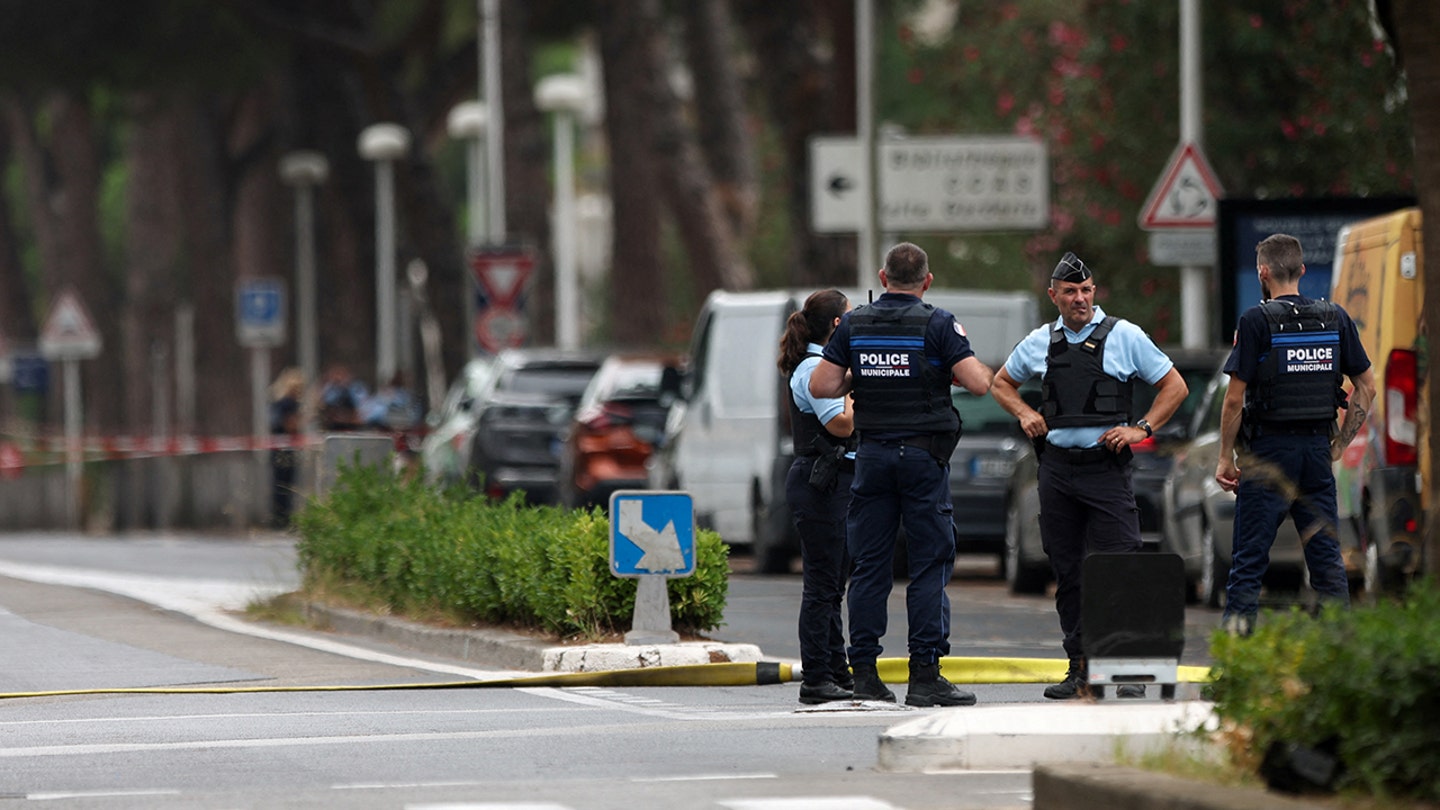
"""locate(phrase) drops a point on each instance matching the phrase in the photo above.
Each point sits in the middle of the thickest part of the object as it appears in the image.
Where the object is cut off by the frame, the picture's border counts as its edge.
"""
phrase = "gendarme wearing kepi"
(1088, 363)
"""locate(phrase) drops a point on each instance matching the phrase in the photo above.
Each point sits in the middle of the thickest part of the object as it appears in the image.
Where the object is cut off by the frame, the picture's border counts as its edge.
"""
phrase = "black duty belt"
(1275, 429)
(1087, 455)
(845, 464)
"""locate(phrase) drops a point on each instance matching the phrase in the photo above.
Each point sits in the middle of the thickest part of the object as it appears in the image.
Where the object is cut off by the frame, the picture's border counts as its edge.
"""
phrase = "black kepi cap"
(1071, 269)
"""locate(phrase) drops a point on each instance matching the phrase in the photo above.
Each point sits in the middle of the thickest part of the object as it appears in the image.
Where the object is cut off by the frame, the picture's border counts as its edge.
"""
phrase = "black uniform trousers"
(820, 520)
(1087, 504)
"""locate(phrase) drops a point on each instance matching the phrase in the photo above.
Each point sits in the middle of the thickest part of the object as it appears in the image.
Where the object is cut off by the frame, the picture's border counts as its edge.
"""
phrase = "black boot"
(1075, 685)
(868, 685)
(825, 691)
(929, 688)
(840, 669)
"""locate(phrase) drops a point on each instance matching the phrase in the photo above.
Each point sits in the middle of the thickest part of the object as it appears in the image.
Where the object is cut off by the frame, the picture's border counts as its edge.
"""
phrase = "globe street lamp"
(384, 144)
(565, 96)
(304, 170)
(468, 121)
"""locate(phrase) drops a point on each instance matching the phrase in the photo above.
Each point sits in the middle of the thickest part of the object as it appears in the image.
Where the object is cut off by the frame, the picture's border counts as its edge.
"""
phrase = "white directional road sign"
(260, 312)
(932, 184)
(652, 532)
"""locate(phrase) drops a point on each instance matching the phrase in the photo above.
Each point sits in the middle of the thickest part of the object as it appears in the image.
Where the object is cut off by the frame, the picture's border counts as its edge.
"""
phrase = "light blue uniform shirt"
(1129, 352)
(824, 409)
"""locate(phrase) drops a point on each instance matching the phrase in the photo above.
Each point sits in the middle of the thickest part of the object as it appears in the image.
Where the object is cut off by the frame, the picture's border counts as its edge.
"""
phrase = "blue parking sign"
(652, 533)
(260, 312)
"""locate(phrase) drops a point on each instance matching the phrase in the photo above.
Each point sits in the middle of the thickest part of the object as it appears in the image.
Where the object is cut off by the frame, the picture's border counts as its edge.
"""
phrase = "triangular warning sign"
(68, 332)
(1187, 195)
(502, 274)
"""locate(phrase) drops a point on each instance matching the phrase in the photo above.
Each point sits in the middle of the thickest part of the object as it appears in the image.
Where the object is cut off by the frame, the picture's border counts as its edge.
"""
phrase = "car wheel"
(1212, 571)
(1022, 577)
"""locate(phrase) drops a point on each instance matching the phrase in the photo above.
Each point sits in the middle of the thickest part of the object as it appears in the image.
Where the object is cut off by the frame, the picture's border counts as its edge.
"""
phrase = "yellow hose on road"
(725, 674)
(760, 673)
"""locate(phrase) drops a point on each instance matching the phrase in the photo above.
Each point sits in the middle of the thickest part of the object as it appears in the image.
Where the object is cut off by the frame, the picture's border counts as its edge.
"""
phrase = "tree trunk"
(17, 321)
(807, 95)
(721, 116)
(1418, 31)
(62, 181)
(710, 243)
(638, 300)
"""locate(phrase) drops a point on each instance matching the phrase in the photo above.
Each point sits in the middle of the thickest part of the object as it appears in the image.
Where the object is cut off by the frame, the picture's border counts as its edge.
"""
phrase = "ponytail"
(812, 324)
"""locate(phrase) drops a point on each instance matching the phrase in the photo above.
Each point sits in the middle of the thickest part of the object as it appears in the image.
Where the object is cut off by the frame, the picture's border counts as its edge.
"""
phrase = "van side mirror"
(672, 385)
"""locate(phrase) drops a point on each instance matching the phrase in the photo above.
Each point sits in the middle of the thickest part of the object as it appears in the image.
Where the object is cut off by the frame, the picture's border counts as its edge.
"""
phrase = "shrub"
(1364, 683)
(419, 550)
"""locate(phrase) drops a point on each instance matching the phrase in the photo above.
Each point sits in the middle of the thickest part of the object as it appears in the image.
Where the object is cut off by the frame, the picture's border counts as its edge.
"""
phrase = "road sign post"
(652, 538)
(69, 335)
(501, 275)
(260, 326)
(1180, 214)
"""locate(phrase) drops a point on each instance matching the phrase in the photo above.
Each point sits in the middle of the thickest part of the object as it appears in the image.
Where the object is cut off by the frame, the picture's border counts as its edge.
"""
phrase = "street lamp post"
(565, 96)
(468, 121)
(304, 170)
(384, 144)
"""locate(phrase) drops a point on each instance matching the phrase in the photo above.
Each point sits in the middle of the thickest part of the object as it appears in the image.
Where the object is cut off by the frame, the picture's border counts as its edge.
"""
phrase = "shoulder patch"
(959, 330)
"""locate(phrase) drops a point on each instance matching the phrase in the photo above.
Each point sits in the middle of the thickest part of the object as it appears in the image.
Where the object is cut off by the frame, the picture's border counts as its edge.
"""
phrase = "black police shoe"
(823, 692)
(929, 688)
(868, 685)
(1129, 690)
(1075, 685)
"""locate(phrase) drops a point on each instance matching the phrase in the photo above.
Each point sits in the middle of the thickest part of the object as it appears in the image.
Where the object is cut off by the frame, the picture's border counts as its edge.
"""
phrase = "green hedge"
(1363, 682)
(419, 550)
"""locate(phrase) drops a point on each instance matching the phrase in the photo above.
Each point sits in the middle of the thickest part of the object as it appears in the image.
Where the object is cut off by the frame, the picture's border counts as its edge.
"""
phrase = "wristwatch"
(1145, 426)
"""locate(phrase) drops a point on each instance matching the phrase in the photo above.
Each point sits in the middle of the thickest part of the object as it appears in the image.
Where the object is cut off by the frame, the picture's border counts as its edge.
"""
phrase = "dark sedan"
(521, 422)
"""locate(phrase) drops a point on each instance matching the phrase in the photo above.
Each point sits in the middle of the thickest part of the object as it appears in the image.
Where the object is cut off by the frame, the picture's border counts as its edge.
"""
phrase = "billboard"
(1315, 222)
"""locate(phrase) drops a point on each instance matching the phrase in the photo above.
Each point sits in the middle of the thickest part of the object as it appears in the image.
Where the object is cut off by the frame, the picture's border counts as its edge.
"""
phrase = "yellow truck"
(1378, 279)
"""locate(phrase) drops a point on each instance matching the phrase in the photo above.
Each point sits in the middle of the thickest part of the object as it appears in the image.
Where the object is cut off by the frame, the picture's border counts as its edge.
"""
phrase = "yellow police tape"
(891, 670)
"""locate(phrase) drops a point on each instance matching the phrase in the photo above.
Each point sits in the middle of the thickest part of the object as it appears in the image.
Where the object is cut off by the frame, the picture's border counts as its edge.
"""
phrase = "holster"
(827, 464)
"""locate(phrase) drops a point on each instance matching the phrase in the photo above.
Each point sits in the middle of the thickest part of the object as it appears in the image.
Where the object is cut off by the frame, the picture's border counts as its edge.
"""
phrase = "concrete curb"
(1084, 786)
(1020, 736)
(501, 648)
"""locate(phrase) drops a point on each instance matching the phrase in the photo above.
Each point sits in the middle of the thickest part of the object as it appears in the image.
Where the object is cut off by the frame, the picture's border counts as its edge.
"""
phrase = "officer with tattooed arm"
(1278, 428)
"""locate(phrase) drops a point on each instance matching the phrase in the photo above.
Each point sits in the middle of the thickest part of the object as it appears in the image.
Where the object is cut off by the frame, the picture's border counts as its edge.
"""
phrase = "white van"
(727, 438)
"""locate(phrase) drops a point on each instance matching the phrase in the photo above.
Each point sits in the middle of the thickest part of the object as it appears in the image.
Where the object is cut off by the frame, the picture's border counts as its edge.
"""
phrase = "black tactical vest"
(805, 428)
(1077, 391)
(897, 387)
(1299, 379)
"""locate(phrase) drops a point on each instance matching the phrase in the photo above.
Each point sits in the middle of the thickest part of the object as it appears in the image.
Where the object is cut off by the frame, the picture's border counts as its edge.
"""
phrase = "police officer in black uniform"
(817, 488)
(1088, 362)
(898, 357)
(1290, 357)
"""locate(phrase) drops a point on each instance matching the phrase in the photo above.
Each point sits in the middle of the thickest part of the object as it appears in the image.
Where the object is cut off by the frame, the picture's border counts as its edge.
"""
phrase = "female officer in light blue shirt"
(818, 491)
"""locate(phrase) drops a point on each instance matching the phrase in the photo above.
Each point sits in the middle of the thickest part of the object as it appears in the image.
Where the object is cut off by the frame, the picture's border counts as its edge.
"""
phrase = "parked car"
(982, 470)
(521, 420)
(445, 449)
(619, 422)
(1027, 569)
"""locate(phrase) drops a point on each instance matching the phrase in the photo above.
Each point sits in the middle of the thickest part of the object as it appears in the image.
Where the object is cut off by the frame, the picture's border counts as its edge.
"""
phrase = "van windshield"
(743, 389)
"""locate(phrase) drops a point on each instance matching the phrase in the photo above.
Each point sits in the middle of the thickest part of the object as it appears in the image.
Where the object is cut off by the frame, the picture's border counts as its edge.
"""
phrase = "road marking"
(55, 795)
(701, 777)
(808, 803)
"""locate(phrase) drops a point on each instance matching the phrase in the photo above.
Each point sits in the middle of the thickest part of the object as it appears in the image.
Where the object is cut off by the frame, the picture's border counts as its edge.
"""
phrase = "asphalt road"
(82, 612)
